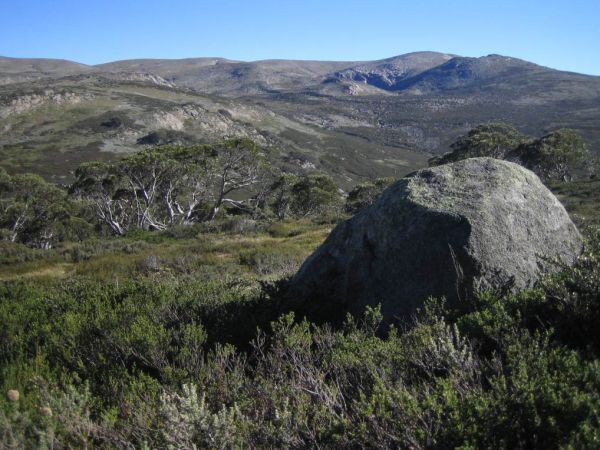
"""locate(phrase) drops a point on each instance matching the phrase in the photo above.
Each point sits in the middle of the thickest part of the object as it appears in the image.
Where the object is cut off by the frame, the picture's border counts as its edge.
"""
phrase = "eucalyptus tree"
(32, 211)
(140, 191)
(103, 187)
(555, 156)
(558, 155)
(365, 194)
(186, 188)
(237, 165)
(146, 173)
(281, 190)
(170, 185)
(494, 140)
(313, 195)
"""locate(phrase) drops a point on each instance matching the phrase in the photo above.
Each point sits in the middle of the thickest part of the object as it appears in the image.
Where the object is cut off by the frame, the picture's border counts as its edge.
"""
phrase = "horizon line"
(238, 61)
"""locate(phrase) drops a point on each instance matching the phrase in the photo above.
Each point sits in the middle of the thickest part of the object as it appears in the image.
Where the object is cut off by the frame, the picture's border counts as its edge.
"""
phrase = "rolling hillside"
(354, 120)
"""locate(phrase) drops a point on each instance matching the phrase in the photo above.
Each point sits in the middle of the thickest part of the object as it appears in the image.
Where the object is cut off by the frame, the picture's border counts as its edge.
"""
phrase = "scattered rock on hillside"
(21, 103)
(444, 231)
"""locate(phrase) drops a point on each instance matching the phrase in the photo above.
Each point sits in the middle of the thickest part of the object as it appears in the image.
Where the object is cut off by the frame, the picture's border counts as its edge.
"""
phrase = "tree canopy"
(314, 194)
(494, 140)
(554, 156)
(365, 194)
(170, 185)
(558, 155)
(32, 211)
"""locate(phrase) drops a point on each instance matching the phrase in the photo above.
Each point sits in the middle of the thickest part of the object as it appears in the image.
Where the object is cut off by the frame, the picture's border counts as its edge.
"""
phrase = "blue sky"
(556, 33)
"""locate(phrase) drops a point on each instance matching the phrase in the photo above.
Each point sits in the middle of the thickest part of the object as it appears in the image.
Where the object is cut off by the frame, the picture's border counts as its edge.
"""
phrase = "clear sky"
(563, 34)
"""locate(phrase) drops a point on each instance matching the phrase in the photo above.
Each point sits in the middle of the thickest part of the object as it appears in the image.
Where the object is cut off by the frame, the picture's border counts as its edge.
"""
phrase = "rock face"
(444, 231)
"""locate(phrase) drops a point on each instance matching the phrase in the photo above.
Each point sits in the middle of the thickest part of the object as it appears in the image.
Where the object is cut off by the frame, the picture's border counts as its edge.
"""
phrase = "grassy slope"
(269, 254)
(581, 199)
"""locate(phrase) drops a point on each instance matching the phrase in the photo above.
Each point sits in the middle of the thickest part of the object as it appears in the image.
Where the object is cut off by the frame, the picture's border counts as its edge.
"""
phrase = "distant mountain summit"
(388, 73)
(462, 72)
(417, 73)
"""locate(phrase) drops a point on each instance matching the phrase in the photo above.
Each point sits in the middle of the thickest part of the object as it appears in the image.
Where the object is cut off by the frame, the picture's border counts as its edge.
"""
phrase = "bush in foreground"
(153, 364)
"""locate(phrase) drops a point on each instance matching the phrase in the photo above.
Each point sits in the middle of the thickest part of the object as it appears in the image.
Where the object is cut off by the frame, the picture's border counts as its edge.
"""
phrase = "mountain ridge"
(226, 77)
(354, 120)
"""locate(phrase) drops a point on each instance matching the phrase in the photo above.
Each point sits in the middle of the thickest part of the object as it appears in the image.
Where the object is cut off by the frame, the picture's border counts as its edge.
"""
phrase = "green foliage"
(314, 195)
(151, 363)
(166, 186)
(282, 190)
(554, 156)
(559, 155)
(494, 140)
(179, 190)
(183, 337)
(366, 194)
(189, 422)
(310, 196)
(37, 213)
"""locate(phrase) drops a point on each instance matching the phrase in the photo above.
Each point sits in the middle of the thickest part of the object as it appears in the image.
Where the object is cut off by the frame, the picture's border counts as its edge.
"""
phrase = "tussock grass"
(581, 199)
(257, 255)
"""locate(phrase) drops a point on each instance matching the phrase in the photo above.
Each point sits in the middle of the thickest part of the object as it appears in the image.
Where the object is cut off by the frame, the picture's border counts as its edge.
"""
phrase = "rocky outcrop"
(388, 73)
(26, 102)
(444, 231)
(144, 78)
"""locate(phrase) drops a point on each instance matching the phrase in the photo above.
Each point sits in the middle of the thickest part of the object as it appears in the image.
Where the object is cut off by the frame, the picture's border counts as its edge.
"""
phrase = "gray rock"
(444, 231)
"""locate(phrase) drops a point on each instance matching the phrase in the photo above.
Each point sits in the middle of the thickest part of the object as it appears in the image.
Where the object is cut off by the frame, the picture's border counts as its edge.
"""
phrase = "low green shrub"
(15, 252)
(271, 261)
(188, 361)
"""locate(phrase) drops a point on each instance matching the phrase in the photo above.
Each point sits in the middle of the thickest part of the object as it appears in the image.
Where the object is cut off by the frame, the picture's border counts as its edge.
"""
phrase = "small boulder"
(444, 231)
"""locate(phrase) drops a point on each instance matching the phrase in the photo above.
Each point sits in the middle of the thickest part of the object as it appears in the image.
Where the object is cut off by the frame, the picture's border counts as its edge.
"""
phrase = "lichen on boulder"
(446, 231)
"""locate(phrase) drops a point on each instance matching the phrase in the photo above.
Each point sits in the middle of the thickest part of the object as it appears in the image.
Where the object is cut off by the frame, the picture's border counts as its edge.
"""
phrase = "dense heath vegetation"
(144, 307)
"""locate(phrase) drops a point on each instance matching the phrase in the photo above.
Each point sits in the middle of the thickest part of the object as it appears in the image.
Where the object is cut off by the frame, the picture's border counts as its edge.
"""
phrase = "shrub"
(366, 194)
(314, 195)
(556, 155)
(559, 155)
(178, 362)
(494, 140)
(271, 261)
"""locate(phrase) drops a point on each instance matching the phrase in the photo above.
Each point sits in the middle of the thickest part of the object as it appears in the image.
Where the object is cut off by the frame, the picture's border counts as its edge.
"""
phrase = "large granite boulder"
(444, 231)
